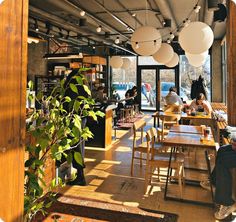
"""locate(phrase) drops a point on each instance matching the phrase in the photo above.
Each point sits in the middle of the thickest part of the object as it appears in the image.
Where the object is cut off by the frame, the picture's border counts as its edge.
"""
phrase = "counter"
(102, 129)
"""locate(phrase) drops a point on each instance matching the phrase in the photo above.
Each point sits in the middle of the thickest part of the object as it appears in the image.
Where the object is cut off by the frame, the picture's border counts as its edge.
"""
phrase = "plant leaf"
(78, 158)
(73, 88)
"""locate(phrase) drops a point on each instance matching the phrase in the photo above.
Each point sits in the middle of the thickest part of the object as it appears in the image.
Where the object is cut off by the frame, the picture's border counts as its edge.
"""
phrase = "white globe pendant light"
(196, 38)
(174, 61)
(197, 57)
(196, 63)
(116, 62)
(146, 40)
(126, 63)
(164, 54)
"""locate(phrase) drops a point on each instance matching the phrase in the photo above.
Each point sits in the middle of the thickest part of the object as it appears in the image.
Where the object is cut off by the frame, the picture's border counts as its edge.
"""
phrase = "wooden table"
(176, 138)
(186, 129)
(184, 116)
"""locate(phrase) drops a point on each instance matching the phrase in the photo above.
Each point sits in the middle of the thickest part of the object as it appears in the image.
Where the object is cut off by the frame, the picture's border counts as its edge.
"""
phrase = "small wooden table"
(186, 129)
(176, 138)
(184, 116)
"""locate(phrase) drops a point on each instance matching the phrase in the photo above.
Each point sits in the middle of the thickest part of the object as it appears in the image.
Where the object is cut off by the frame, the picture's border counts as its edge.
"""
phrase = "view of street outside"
(124, 79)
(189, 73)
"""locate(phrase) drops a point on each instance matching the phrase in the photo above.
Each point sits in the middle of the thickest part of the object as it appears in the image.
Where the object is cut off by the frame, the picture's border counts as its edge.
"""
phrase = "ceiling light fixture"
(172, 35)
(133, 14)
(32, 40)
(99, 28)
(117, 40)
(82, 13)
(197, 8)
(36, 26)
(168, 41)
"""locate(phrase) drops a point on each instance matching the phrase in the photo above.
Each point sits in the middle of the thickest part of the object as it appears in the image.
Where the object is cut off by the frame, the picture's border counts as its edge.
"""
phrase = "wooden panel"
(108, 127)
(231, 63)
(13, 64)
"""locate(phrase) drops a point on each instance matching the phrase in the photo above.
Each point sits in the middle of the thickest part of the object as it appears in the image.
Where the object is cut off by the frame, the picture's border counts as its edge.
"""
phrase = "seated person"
(173, 102)
(221, 178)
(99, 95)
(200, 104)
(131, 96)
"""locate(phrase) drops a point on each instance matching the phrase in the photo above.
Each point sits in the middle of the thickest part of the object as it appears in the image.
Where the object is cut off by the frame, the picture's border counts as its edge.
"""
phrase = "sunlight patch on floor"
(123, 149)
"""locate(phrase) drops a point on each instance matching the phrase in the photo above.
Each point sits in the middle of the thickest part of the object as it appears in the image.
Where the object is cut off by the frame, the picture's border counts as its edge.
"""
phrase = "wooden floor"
(108, 178)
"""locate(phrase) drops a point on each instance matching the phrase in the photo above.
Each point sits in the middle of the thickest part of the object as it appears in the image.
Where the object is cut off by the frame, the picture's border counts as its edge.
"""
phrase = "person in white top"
(173, 101)
(200, 104)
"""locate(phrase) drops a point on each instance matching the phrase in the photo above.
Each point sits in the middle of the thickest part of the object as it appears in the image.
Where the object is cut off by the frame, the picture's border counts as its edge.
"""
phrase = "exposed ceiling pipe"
(63, 23)
(74, 10)
(208, 15)
(40, 14)
(129, 12)
(114, 16)
(157, 16)
(166, 11)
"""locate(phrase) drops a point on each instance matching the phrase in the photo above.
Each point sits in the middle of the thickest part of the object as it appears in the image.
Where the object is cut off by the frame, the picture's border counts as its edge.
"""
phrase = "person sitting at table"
(200, 104)
(221, 178)
(131, 96)
(173, 101)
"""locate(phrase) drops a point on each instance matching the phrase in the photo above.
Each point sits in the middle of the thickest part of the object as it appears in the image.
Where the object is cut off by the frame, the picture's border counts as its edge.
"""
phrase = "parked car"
(121, 88)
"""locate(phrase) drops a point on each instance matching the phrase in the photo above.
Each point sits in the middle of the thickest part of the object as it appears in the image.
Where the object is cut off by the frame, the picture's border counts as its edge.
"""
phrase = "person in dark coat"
(197, 87)
(221, 178)
(80, 179)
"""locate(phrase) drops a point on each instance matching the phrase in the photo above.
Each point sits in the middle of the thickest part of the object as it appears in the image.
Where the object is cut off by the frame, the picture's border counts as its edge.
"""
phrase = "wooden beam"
(13, 65)
(231, 63)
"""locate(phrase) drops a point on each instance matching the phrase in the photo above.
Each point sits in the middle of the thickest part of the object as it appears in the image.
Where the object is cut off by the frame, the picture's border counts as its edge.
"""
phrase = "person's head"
(134, 89)
(200, 98)
(173, 89)
(100, 88)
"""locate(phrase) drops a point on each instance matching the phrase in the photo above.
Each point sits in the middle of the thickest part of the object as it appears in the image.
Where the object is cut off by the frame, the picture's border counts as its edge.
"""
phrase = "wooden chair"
(156, 160)
(139, 146)
(168, 120)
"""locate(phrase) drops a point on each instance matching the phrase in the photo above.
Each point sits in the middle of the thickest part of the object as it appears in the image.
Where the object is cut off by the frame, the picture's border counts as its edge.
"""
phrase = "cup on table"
(203, 127)
(207, 131)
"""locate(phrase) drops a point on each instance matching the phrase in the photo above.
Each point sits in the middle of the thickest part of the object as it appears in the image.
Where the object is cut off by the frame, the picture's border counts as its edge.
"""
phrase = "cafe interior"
(151, 126)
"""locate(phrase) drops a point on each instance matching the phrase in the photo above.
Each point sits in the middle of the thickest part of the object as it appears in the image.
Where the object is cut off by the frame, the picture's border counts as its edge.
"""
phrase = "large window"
(124, 79)
(188, 73)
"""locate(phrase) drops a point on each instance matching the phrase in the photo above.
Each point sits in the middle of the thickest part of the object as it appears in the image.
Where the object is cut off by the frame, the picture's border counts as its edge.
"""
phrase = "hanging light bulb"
(186, 22)
(168, 41)
(197, 8)
(99, 28)
(117, 40)
(172, 35)
(82, 13)
(136, 45)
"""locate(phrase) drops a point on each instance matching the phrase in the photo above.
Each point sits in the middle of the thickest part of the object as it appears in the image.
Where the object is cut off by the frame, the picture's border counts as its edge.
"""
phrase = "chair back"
(168, 119)
(151, 137)
(138, 126)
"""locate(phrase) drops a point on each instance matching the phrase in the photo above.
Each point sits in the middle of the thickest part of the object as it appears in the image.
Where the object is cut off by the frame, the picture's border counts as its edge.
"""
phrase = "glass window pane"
(147, 60)
(124, 79)
(188, 73)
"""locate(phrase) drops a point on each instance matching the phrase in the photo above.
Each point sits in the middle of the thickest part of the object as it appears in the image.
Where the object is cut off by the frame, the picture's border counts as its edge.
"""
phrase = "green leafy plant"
(53, 131)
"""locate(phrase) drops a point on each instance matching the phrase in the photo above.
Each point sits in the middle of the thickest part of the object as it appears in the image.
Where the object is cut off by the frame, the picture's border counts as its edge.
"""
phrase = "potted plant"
(53, 130)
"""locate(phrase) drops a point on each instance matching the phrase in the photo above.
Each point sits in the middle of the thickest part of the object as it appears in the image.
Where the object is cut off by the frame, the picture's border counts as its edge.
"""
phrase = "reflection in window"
(188, 73)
